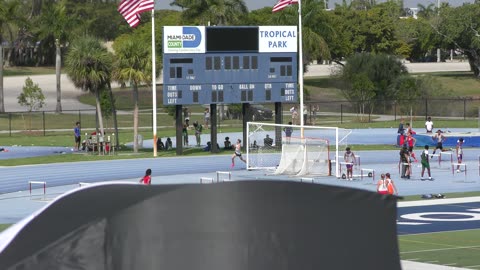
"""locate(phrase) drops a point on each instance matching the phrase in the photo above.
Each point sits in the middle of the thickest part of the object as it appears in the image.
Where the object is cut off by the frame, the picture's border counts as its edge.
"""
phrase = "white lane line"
(438, 249)
(439, 201)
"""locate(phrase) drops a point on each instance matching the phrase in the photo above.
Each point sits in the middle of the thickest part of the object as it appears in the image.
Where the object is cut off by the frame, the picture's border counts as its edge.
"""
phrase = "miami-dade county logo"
(191, 37)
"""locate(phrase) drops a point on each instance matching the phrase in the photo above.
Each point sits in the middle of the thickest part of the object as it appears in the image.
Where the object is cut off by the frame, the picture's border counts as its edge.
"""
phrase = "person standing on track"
(238, 152)
(349, 158)
(459, 150)
(78, 139)
(392, 189)
(425, 163)
(147, 179)
(405, 162)
(411, 141)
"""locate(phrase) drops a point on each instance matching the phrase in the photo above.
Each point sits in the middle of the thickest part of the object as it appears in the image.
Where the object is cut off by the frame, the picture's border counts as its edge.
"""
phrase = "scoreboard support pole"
(278, 120)
(213, 128)
(179, 127)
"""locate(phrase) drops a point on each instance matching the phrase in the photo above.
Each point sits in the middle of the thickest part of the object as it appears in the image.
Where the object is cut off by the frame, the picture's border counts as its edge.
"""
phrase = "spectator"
(160, 145)
(227, 145)
(268, 142)
(206, 116)
(185, 135)
(288, 132)
(429, 125)
(78, 139)
(198, 132)
(168, 144)
(294, 112)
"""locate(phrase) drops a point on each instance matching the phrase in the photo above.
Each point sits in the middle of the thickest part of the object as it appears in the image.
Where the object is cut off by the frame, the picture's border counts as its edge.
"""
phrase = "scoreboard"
(215, 65)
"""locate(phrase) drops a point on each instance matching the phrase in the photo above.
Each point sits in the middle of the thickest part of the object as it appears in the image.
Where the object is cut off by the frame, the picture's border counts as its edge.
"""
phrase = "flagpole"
(300, 63)
(154, 87)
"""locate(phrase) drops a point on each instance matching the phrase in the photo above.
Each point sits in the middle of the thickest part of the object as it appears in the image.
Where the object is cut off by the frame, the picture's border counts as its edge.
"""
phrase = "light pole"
(438, 15)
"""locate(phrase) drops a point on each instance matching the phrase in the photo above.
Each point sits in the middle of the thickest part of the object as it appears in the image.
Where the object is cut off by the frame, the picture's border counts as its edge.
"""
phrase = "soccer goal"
(293, 149)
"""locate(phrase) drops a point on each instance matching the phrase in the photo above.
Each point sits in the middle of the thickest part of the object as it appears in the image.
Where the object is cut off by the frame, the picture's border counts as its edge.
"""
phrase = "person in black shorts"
(439, 138)
(238, 153)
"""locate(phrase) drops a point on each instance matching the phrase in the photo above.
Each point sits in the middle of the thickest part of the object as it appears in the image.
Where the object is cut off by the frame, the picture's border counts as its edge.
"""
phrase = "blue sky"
(256, 4)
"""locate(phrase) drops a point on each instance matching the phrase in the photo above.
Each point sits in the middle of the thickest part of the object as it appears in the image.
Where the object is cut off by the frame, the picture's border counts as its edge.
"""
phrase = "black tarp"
(237, 225)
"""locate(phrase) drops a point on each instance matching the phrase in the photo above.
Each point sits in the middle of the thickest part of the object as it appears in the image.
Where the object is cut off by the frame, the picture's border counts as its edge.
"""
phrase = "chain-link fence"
(332, 112)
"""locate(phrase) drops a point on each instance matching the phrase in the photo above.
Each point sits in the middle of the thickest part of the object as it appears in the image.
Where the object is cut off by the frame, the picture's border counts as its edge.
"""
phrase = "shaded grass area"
(4, 226)
(25, 71)
(458, 248)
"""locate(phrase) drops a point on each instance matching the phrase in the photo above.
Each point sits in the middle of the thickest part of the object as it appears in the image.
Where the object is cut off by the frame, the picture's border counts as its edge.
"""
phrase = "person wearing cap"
(459, 150)
(439, 138)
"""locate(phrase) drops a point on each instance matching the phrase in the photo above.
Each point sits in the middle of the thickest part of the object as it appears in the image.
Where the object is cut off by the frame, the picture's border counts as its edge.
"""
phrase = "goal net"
(282, 149)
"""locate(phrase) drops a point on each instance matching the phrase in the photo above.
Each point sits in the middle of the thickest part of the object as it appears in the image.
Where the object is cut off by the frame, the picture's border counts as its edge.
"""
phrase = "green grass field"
(457, 248)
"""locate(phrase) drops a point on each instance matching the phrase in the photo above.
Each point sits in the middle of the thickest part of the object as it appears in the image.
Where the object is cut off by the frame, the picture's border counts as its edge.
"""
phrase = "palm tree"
(9, 16)
(426, 11)
(216, 12)
(314, 27)
(54, 26)
(134, 65)
(88, 65)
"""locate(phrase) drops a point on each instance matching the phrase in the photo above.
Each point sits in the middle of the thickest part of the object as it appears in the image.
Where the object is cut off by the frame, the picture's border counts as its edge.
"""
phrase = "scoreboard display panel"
(215, 65)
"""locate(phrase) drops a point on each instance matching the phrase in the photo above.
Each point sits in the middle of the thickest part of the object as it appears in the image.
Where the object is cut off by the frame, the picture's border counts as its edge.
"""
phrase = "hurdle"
(370, 172)
(405, 164)
(220, 173)
(206, 180)
(454, 165)
(344, 176)
(444, 153)
(30, 183)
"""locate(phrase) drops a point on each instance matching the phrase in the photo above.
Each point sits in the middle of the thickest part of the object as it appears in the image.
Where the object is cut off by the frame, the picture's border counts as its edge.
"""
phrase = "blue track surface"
(15, 203)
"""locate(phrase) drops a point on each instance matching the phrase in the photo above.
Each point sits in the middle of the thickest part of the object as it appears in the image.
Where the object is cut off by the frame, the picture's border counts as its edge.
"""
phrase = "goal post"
(280, 149)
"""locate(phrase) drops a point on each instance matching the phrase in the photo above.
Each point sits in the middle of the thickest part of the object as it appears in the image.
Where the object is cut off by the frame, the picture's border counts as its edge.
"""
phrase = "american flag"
(131, 9)
(283, 4)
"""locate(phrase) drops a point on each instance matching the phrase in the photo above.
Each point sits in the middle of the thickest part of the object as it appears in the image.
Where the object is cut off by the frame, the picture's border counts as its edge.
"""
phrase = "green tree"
(314, 27)
(10, 12)
(459, 28)
(54, 24)
(32, 96)
(134, 66)
(382, 70)
(215, 12)
(88, 65)
(361, 92)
